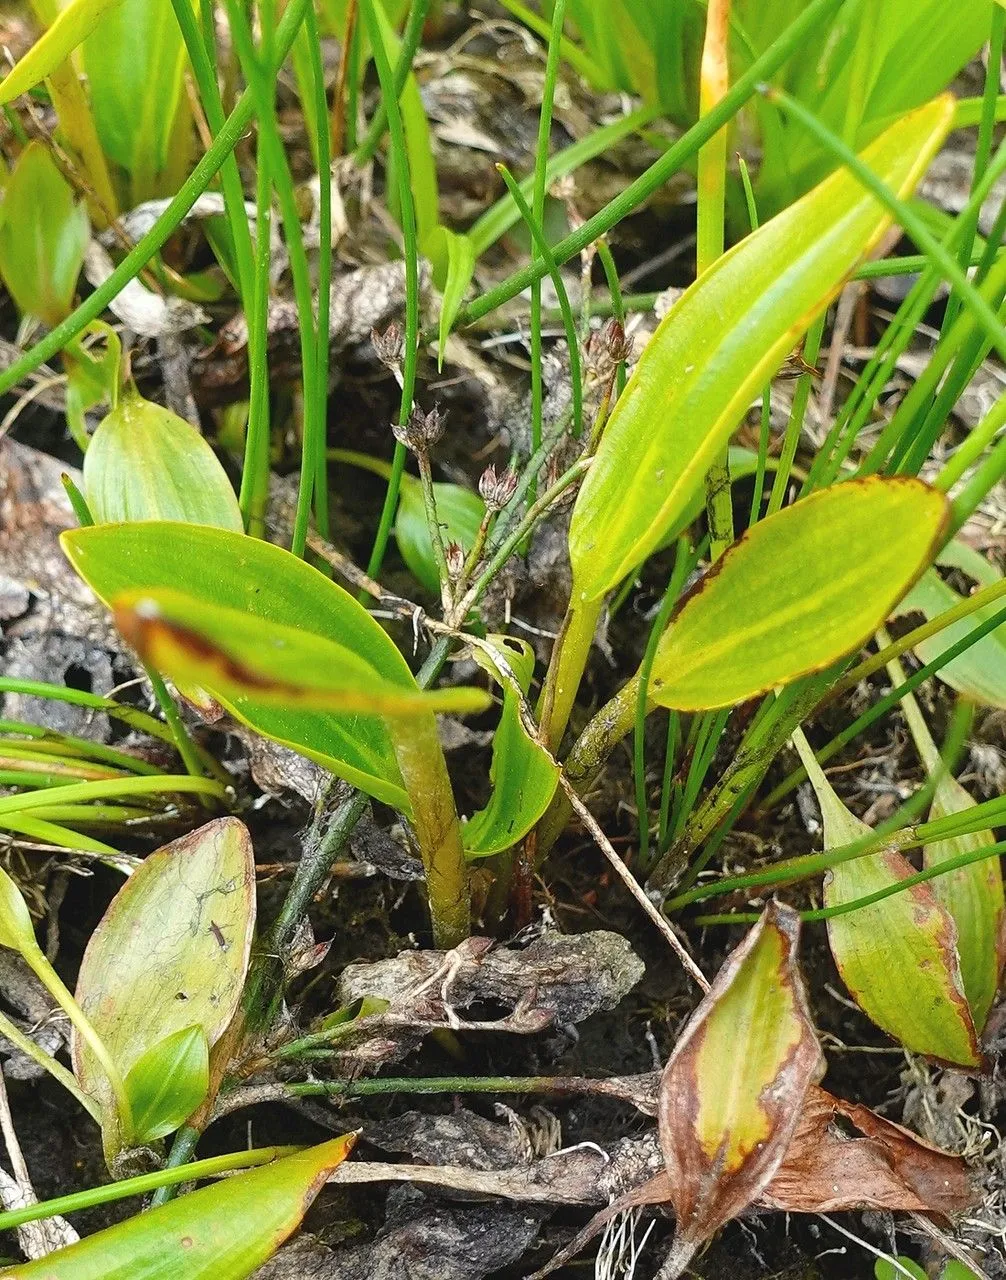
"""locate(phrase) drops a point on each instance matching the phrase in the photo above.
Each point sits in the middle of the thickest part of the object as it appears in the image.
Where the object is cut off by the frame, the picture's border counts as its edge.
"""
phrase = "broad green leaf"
(16, 928)
(168, 1082)
(885, 1270)
(523, 775)
(170, 953)
(717, 348)
(898, 956)
(459, 511)
(263, 581)
(72, 26)
(134, 66)
(453, 257)
(221, 1232)
(146, 463)
(980, 672)
(234, 657)
(41, 256)
(732, 1093)
(92, 376)
(799, 590)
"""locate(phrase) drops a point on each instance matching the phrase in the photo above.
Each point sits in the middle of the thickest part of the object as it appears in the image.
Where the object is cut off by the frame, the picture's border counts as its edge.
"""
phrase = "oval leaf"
(72, 26)
(898, 956)
(168, 1082)
(222, 1232)
(171, 952)
(262, 581)
(235, 657)
(732, 1092)
(799, 590)
(720, 344)
(146, 463)
(41, 257)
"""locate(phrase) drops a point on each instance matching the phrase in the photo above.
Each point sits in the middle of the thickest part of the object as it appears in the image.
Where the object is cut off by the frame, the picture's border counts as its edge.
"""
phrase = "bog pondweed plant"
(827, 554)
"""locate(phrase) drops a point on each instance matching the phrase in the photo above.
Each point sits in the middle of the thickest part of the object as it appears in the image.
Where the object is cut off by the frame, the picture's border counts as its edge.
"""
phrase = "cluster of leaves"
(243, 625)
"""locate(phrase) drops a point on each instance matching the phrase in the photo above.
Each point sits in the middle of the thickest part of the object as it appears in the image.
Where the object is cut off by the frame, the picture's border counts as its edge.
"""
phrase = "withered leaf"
(845, 1156)
(732, 1092)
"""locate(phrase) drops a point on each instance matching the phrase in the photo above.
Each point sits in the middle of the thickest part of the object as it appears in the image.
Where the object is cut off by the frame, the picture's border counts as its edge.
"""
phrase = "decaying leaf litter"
(565, 1118)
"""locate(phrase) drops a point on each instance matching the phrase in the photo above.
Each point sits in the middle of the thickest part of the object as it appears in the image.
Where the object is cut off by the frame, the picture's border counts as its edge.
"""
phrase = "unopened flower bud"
(422, 430)
(454, 553)
(389, 346)
(497, 488)
(617, 345)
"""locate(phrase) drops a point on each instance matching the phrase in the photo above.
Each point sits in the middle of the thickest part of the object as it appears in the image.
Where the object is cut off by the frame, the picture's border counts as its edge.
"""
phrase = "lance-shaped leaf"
(261, 581)
(73, 25)
(897, 956)
(732, 1092)
(235, 657)
(798, 591)
(171, 953)
(720, 344)
(979, 672)
(221, 1232)
(146, 463)
(524, 776)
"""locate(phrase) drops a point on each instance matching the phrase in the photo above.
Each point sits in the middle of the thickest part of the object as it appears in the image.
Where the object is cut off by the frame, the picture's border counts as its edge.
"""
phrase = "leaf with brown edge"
(732, 1092)
(864, 1163)
(897, 956)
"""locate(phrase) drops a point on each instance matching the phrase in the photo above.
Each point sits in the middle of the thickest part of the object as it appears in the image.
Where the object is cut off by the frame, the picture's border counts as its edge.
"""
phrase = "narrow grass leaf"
(146, 463)
(170, 953)
(718, 346)
(799, 590)
(453, 256)
(222, 1232)
(733, 1090)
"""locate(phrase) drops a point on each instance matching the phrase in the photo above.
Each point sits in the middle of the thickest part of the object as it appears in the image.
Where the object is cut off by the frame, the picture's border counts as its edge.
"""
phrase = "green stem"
(813, 18)
(435, 531)
(411, 37)
(324, 266)
(400, 155)
(438, 832)
(432, 1085)
(794, 427)
(186, 748)
(141, 1185)
(47, 1063)
(183, 1145)
(565, 671)
(534, 226)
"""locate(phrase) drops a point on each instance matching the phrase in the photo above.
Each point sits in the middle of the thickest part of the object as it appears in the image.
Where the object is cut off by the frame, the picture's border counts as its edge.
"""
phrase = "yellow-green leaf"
(237, 658)
(719, 345)
(221, 1232)
(72, 26)
(41, 256)
(146, 463)
(16, 928)
(732, 1092)
(453, 256)
(897, 956)
(799, 590)
(171, 952)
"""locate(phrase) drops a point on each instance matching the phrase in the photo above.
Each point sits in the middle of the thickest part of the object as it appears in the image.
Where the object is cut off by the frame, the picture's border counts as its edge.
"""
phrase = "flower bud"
(497, 488)
(389, 346)
(422, 430)
(454, 553)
